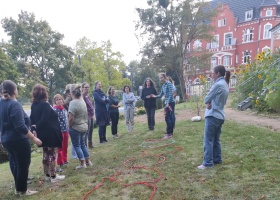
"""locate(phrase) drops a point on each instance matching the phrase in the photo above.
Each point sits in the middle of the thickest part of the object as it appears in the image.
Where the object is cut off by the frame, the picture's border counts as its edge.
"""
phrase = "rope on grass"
(151, 183)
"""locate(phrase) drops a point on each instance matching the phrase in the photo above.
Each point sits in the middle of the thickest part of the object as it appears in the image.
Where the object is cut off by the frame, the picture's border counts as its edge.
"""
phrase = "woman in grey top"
(78, 125)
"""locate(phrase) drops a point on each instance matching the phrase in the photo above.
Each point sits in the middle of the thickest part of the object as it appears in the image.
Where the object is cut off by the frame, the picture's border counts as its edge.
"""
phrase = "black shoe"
(101, 141)
(105, 140)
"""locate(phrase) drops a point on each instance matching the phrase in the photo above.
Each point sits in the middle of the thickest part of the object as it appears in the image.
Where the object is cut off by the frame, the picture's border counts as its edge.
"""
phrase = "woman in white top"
(128, 103)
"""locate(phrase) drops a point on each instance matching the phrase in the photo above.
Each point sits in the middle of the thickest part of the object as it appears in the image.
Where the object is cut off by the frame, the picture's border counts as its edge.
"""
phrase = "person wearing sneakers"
(90, 110)
(128, 104)
(169, 104)
(45, 124)
(114, 111)
(15, 137)
(62, 157)
(101, 102)
(78, 125)
(215, 101)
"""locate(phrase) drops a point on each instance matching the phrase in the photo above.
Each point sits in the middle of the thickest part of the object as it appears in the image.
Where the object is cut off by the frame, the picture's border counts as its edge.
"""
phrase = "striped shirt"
(167, 91)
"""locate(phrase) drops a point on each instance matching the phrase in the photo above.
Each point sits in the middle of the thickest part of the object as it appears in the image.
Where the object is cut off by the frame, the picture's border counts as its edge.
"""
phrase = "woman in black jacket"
(149, 101)
(45, 121)
(15, 134)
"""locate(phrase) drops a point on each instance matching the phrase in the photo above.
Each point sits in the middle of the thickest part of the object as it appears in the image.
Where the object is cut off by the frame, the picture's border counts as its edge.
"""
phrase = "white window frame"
(248, 15)
(232, 81)
(213, 62)
(246, 57)
(266, 32)
(222, 22)
(236, 59)
(268, 13)
(266, 49)
(230, 41)
(248, 35)
(226, 61)
(197, 45)
(214, 42)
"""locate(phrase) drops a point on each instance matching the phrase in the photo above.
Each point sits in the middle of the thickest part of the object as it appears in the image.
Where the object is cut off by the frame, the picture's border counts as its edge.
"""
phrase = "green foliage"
(273, 99)
(141, 111)
(159, 103)
(38, 53)
(8, 70)
(260, 80)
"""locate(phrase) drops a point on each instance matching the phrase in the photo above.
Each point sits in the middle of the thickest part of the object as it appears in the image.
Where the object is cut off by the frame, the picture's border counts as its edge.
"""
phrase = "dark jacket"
(149, 102)
(47, 124)
(101, 108)
(12, 122)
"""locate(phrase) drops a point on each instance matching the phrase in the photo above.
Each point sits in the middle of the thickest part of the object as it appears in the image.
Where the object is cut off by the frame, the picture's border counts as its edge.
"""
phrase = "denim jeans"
(151, 117)
(19, 159)
(169, 119)
(212, 144)
(79, 143)
(73, 151)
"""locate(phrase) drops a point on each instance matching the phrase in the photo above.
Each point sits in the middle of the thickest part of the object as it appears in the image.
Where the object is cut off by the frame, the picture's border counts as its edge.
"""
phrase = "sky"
(98, 20)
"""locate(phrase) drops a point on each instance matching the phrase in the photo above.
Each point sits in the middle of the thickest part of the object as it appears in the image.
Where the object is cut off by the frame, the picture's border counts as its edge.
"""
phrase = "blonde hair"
(56, 97)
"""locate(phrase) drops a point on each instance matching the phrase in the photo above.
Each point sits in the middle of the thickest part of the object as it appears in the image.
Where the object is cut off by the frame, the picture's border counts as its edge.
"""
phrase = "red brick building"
(243, 29)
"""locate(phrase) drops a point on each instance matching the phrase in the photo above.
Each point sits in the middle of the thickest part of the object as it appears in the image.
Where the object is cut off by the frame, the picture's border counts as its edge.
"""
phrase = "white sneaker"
(27, 193)
(115, 136)
(89, 163)
(202, 167)
(57, 178)
(81, 166)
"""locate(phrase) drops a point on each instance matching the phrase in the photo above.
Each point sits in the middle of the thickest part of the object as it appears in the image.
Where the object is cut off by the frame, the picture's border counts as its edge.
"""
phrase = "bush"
(141, 111)
(3, 154)
(273, 100)
(159, 103)
(139, 103)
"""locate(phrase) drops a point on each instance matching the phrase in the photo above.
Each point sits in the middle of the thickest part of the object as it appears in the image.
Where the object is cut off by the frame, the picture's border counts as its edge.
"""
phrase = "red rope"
(150, 183)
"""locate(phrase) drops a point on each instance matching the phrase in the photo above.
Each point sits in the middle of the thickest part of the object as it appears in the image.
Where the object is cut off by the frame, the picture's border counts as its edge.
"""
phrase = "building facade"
(243, 29)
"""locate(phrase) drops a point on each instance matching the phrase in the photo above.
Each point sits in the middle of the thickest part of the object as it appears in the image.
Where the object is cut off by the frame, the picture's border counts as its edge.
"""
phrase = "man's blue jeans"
(170, 119)
(79, 143)
(212, 144)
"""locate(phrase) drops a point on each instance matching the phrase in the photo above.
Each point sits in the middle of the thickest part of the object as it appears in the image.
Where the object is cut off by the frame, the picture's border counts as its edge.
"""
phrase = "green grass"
(250, 169)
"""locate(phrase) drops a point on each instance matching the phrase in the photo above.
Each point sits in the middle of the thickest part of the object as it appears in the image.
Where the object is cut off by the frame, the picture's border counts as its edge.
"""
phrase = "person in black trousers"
(101, 102)
(15, 137)
(149, 101)
(114, 111)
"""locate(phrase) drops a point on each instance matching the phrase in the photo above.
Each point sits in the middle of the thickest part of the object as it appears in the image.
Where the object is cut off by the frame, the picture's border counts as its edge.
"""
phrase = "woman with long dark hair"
(149, 101)
(44, 120)
(101, 111)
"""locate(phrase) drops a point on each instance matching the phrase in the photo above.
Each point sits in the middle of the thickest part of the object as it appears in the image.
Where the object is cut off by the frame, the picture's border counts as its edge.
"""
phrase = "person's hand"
(148, 96)
(154, 96)
(37, 141)
(208, 106)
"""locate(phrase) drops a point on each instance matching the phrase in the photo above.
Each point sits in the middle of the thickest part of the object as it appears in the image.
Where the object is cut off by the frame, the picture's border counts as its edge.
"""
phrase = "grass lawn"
(250, 169)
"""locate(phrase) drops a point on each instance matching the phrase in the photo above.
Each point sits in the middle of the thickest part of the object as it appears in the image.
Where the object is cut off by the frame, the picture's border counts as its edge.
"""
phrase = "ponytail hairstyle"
(8, 88)
(227, 77)
(75, 89)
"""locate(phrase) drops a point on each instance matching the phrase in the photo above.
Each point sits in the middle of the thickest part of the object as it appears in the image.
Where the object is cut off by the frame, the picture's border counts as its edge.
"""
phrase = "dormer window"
(268, 13)
(248, 15)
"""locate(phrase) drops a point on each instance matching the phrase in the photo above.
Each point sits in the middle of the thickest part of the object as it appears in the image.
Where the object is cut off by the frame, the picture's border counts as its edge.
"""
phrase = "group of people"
(49, 126)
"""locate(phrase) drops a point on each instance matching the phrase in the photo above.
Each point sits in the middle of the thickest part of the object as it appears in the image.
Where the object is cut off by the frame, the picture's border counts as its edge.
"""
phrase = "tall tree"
(169, 26)
(37, 49)
(8, 70)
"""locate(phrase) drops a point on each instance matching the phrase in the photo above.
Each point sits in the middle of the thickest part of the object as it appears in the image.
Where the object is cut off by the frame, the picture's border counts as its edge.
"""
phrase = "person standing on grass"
(90, 110)
(174, 95)
(149, 101)
(44, 122)
(114, 111)
(15, 137)
(101, 110)
(63, 121)
(128, 103)
(169, 104)
(78, 125)
(215, 101)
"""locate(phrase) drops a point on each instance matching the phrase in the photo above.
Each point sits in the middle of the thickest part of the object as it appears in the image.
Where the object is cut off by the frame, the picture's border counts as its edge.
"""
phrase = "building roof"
(239, 7)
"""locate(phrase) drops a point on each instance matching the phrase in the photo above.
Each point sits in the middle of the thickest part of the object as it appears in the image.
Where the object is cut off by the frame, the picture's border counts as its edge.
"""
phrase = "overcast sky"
(98, 20)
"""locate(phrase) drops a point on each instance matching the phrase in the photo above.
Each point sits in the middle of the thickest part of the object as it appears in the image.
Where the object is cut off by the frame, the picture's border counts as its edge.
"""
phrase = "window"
(197, 45)
(268, 13)
(248, 15)
(266, 50)
(226, 61)
(213, 62)
(228, 39)
(215, 42)
(246, 57)
(267, 33)
(232, 82)
(248, 35)
(221, 22)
